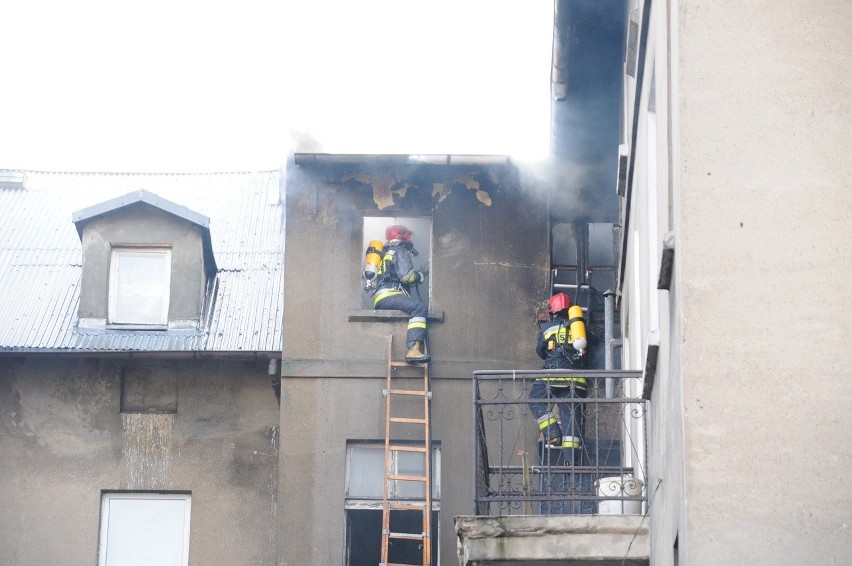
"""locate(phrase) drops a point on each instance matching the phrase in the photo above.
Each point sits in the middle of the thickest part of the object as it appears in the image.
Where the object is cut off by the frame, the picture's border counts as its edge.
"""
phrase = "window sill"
(126, 326)
(374, 315)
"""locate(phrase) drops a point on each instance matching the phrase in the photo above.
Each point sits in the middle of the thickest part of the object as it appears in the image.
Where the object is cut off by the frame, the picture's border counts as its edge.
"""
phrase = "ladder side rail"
(427, 468)
(386, 480)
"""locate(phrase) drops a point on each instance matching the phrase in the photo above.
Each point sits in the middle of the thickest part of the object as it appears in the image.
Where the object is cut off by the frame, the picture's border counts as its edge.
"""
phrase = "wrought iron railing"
(518, 473)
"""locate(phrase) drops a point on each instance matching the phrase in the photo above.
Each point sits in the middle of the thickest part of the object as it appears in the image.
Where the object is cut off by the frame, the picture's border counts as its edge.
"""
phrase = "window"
(364, 480)
(591, 245)
(374, 229)
(140, 529)
(139, 286)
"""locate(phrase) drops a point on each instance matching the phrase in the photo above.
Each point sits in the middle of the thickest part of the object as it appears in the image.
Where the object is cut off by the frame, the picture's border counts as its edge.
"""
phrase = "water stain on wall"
(147, 448)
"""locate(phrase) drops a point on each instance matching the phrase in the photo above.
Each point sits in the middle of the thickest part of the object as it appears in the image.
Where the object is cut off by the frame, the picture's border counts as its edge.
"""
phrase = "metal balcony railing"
(517, 473)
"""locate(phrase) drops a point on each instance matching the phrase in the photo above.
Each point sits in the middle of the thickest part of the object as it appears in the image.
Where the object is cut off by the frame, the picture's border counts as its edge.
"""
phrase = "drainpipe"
(274, 377)
(610, 343)
(581, 236)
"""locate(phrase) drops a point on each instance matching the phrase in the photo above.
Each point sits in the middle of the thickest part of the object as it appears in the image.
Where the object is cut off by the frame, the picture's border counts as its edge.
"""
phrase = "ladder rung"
(407, 478)
(408, 364)
(418, 392)
(407, 448)
(408, 536)
(407, 420)
(409, 506)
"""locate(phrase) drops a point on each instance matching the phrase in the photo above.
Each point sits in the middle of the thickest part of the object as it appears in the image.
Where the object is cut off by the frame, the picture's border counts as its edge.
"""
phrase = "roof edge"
(147, 197)
(81, 217)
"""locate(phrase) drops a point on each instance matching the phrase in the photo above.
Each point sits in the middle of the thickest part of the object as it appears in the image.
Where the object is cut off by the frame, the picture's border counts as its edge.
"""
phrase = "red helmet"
(559, 302)
(398, 232)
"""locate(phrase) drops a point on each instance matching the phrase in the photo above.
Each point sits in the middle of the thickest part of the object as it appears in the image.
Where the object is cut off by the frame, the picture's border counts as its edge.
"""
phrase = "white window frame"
(117, 252)
(109, 497)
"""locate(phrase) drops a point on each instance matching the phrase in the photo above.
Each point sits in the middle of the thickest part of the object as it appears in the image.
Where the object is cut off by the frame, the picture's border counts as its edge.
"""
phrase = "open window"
(364, 481)
(374, 229)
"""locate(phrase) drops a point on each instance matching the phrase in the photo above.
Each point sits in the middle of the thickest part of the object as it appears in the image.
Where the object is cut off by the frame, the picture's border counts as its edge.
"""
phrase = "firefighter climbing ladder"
(388, 505)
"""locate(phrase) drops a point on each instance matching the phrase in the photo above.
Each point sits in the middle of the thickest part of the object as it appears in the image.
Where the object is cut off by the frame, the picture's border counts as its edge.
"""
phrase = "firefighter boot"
(571, 450)
(552, 436)
(415, 354)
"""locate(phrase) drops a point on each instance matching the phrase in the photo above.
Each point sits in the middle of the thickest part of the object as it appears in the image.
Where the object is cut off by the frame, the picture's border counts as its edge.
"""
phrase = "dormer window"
(139, 286)
(147, 265)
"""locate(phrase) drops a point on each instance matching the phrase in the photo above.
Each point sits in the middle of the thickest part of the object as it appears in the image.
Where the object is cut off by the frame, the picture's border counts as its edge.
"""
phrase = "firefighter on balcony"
(394, 277)
(562, 345)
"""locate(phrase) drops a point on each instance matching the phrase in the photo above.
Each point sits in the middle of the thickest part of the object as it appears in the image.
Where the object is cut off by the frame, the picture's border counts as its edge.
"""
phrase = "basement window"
(144, 528)
(364, 482)
(139, 283)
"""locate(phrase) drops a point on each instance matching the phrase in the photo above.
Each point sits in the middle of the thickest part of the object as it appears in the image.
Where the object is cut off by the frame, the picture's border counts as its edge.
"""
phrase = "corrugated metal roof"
(40, 261)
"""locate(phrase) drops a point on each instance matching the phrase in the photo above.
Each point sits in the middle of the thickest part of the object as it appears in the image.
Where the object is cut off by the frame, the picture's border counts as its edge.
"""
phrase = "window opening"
(582, 261)
(374, 229)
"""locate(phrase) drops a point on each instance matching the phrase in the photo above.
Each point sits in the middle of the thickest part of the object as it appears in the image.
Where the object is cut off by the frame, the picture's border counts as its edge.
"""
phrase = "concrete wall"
(750, 411)
(143, 225)
(64, 440)
(489, 274)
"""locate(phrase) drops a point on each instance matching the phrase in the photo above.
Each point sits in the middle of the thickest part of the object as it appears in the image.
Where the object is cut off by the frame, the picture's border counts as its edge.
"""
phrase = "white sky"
(185, 85)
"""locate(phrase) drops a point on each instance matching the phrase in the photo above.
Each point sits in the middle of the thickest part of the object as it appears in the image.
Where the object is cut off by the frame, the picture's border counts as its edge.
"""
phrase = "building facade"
(485, 241)
(734, 276)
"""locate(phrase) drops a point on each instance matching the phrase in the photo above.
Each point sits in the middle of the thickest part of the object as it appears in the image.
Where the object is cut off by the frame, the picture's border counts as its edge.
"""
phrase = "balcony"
(537, 503)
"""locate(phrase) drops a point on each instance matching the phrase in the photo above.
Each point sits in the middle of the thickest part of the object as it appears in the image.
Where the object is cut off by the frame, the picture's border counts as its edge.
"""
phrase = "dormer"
(147, 263)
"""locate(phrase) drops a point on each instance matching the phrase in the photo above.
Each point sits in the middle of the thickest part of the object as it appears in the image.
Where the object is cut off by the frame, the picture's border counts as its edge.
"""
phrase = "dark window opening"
(364, 537)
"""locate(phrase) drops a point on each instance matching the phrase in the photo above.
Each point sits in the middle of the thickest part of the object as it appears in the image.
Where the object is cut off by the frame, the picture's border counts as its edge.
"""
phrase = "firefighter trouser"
(397, 300)
(571, 415)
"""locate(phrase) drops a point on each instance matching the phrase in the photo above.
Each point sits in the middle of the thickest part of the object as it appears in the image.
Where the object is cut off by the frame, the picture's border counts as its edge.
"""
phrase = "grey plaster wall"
(142, 224)
(765, 194)
(64, 441)
(750, 411)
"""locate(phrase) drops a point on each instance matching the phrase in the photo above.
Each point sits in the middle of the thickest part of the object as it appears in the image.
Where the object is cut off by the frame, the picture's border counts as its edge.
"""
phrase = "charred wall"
(489, 266)
(489, 271)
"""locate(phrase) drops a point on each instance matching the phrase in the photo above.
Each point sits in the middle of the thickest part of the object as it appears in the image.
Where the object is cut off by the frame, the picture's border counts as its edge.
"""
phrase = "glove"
(425, 270)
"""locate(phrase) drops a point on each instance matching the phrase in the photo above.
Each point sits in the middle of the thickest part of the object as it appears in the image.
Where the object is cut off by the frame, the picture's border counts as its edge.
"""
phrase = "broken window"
(365, 462)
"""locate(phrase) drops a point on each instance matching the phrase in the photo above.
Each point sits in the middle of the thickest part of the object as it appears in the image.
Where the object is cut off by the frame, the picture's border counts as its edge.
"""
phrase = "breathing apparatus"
(576, 324)
(372, 263)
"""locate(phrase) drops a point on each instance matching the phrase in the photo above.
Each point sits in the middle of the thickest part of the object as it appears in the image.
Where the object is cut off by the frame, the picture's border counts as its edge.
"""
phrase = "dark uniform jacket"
(398, 269)
(554, 347)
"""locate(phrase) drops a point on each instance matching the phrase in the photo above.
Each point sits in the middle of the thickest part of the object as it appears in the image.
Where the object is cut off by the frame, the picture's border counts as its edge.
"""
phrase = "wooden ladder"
(425, 537)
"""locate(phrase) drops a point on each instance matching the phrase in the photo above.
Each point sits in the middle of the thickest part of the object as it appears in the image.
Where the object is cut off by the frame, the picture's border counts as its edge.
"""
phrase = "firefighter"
(562, 345)
(396, 276)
